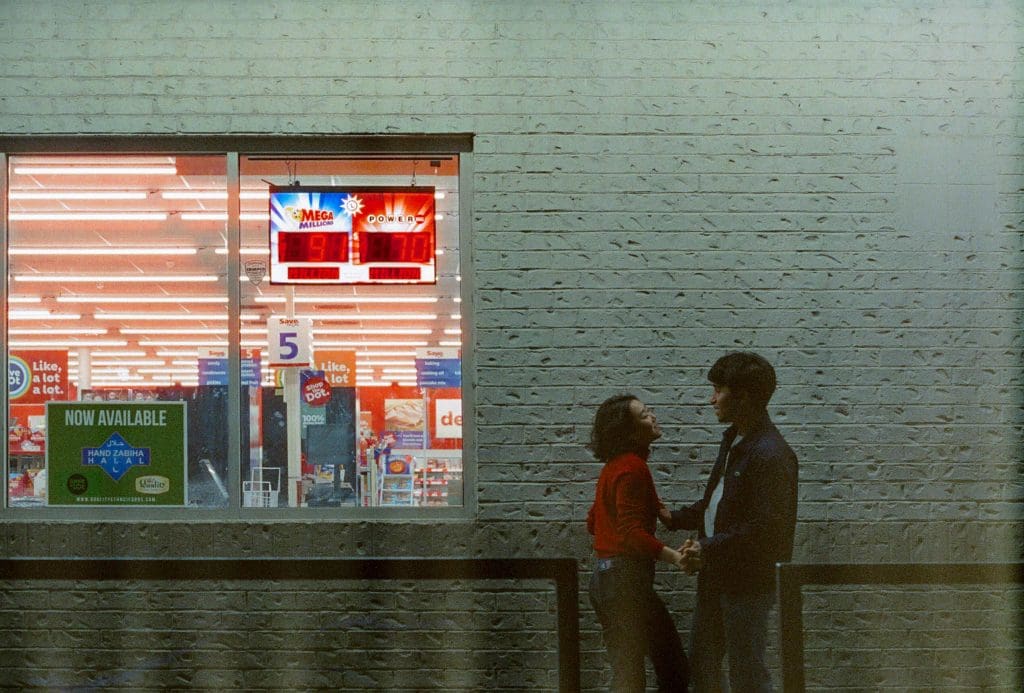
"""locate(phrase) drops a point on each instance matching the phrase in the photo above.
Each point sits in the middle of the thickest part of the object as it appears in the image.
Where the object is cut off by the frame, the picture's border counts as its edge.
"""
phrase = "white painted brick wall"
(839, 186)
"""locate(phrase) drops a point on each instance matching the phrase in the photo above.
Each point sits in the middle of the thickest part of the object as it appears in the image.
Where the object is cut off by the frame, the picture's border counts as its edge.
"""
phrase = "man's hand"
(665, 515)
(691, 551)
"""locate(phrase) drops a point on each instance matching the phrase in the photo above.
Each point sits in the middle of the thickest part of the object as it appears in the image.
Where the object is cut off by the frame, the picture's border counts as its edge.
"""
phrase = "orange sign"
(339, 366)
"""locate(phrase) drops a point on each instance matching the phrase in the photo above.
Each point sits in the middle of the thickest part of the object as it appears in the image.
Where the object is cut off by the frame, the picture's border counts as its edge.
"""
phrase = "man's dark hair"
(745, 373)
(615, 430)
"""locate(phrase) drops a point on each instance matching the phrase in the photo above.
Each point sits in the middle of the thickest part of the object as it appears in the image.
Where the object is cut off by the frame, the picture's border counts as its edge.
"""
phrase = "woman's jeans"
(636, 624)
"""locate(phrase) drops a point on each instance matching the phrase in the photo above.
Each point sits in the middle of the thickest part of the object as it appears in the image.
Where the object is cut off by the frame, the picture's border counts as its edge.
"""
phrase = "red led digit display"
(313, 273)
(396, 247)
(402, 273)
(319, 246)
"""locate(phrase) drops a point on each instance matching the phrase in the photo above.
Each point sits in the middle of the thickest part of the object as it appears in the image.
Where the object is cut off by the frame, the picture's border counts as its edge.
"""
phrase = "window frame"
(233, 148)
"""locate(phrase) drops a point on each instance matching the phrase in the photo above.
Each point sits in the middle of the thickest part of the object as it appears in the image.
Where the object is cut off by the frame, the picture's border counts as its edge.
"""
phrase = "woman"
(622, 520)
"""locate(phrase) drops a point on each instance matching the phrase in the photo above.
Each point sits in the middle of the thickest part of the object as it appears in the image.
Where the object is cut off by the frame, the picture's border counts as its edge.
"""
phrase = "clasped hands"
(691, 559)
(689, 553)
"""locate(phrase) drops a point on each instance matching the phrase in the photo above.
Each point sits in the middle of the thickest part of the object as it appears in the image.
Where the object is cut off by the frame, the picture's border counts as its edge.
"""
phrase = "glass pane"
(351, 306)
(118, 332)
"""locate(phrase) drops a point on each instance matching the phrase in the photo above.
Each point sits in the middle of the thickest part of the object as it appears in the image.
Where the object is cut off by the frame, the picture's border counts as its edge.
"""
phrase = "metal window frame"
(233, 148)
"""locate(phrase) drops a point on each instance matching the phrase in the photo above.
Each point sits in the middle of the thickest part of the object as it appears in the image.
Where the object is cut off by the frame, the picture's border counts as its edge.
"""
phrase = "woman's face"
(647, 426)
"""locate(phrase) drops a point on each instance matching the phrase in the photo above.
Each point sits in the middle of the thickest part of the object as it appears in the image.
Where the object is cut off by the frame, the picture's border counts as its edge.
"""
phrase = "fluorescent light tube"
(106, 250)
(87, 216)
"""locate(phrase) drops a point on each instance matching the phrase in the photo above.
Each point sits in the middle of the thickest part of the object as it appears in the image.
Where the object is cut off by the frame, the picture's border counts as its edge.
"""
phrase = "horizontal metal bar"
(245, 144)
(793, 576)
(901, 573)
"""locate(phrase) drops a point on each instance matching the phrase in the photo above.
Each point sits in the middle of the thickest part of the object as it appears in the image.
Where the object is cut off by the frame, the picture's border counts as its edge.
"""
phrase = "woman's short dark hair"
(615, 429)
(745, 372)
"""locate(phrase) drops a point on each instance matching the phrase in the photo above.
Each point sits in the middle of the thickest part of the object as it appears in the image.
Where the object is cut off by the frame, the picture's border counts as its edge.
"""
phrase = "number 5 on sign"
(290, 342)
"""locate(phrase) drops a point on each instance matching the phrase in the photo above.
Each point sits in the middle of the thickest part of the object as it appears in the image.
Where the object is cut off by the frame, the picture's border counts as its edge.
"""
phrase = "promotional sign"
(438, 367)
(314, 389)
(290, 341)
(448, 418)
(352, 235)
(339, 366)
(116, 453)
(213, 367)
(404, 420)
(37, 376)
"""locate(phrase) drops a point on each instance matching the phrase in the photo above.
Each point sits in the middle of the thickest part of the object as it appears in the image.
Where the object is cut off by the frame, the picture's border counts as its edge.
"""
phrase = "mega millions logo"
(310, 218)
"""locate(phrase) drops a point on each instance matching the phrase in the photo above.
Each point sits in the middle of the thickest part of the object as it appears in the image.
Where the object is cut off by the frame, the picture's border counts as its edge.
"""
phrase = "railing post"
(567, 598)
(791, 628)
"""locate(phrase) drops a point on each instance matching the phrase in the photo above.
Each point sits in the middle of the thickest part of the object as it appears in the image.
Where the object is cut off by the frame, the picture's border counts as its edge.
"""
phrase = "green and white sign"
(116, 453)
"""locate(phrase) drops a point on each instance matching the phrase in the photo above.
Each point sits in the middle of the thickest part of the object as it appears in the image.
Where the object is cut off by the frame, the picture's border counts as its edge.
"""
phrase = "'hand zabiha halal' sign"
(116, 453)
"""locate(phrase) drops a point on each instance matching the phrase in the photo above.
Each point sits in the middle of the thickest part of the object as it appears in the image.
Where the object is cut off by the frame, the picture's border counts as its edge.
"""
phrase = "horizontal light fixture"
(190, 317)
(171, 369)
(18, 314)
(245, 251)
(172, 342)
(104, 250)
(369, 331)
(95, 170)
(213, 195)
(87, 216)
(446, 343)
(56, 330)
(174, 330)
(223, 216)
(115, 278)
(370, 342)
(399, 371)
(368, 316)
(453, 331)
(142, 299)
(350, 299)
(194, 353)
(387, 354)
(126, 362)
(24, 299)
(78, 195)
(62, 343)
(118, 354)
(438, 194)
(385, 383)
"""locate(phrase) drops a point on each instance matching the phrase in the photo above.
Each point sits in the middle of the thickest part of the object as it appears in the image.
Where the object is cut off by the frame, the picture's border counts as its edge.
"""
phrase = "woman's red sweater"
(625, 510)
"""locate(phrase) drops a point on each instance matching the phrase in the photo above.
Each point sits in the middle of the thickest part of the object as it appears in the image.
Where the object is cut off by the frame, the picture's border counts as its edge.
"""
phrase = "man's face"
(725, 403)
(647, 426)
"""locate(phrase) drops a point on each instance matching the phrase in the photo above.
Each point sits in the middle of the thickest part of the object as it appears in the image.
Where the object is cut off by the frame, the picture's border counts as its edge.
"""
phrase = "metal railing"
(793, 576)
(563, 571)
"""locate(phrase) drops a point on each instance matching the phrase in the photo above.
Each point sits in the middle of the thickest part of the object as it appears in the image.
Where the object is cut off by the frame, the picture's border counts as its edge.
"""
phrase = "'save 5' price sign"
(290, 342)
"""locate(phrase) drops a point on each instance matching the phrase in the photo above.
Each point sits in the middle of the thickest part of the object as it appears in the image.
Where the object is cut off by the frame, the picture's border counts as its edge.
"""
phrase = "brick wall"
(837, 187)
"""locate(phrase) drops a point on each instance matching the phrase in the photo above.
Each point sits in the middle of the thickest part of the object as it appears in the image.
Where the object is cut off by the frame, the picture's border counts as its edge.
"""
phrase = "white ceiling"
(59, 262)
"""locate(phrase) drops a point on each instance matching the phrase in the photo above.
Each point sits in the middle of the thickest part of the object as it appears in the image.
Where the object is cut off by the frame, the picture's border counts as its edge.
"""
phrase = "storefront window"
(355, 305)
(349, 343)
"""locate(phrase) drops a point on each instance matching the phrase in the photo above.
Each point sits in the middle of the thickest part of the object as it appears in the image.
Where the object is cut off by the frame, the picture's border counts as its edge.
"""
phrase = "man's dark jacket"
(756, 517)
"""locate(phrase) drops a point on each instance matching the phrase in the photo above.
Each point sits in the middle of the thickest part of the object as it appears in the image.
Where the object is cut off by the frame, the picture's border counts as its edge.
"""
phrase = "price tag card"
(290, 342)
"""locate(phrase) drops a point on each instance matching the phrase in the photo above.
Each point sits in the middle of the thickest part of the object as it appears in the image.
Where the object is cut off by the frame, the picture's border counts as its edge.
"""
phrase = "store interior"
(117, 291)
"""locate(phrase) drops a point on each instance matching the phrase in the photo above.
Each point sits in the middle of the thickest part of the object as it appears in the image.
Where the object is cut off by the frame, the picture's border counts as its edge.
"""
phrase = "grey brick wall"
(836, 185)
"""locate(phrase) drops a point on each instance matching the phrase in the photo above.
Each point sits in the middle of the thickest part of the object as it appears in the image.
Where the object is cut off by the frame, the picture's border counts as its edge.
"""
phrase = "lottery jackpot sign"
(332, 235)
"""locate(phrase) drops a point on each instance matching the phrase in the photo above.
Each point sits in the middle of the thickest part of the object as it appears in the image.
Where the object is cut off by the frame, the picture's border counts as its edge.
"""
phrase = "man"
(745, 524)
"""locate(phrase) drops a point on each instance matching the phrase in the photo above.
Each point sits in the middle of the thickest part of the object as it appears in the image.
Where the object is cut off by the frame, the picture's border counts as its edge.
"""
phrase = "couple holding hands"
(745, 523)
